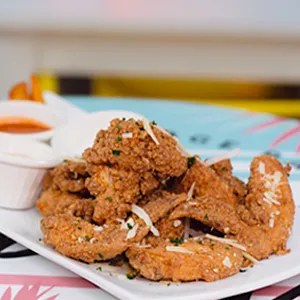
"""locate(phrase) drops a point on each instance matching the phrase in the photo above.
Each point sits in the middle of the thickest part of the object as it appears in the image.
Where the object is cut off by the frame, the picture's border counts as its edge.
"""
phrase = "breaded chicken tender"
(116, 189)
(206, 261)
(78, 239)
(128, 145)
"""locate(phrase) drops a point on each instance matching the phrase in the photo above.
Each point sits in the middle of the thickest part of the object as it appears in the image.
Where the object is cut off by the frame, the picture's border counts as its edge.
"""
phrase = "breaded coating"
(206, 261)
(128, 145)
(57, 202)
(264, 224)
(169, 228)
(69, 176)
(224, 170)
(84, 241)
(116, 189)
(208, 184)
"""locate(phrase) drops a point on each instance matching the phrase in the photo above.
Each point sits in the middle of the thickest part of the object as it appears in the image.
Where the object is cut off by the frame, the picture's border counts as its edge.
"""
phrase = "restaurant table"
(27, 276)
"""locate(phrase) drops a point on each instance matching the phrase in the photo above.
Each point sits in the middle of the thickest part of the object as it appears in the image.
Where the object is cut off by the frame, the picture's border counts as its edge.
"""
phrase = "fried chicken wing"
(79, 239)
(206, 261)
(128, 145)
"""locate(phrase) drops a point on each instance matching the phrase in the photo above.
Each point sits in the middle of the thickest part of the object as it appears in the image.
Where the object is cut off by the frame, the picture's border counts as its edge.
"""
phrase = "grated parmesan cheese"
(262, 168)
(250, 257)
(230, 242)
(216, 270)
(190, 192)
(80, 239)
(138, 245)
(216, 159)
(132, 232)
(176, 223)
(149, 131)
(75, 159)
(271, 223)
(129, 222)
(178, 249)
(226, 262)
(127, 135)
(93, 240)
(141, 213)
(98, 228)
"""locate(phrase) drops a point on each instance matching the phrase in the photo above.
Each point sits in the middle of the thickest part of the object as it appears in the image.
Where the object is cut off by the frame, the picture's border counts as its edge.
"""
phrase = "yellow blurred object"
(49, 82)
(23, 91)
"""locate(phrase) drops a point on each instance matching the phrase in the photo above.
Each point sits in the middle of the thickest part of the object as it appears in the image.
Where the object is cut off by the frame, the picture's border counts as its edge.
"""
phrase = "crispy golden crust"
(69, 176)
(57, 202)
(78, 239)
(208, 184)
(209, 261)
(138, 153)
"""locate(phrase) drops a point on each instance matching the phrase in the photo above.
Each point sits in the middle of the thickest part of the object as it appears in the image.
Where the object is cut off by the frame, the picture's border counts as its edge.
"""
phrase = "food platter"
(23, 226)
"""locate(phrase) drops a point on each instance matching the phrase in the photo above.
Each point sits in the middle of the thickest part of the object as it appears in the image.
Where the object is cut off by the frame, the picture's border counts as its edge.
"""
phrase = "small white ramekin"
(23, 164)
(38, 111)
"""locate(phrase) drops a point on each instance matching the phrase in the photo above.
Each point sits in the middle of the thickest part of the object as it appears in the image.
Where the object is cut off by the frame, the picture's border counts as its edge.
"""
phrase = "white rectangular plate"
(24, 227)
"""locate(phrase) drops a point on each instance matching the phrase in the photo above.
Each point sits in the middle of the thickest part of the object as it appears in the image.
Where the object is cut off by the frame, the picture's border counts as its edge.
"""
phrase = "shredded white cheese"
(186, 234)
(226, 262)
(127, 135)
(219, 158)
(226, 230)
(98, 228)
(178, 249)
(216, 270)
(250, 257)
(149, 131)
(176, 223)
(230, 242)
(262, 168)
(126, 225)
(132, 232)
(80, 239)
(105, 226)
(141, 213)
(93, 240)
(271, 223)
(75, 159)
(138, 245)
(190, 192)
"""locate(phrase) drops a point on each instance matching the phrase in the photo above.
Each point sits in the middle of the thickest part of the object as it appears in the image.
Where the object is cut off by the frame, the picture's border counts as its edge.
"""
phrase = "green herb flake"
(176, 241)
(227, 248)
(191, 161)
(212, 244)
(99, 269)
(223, 169)
(206, 217)
(131, 119)
(116, 152)
(129, 226)
(87, 238)
(118, 139)
(100, 255)
(120, 178)
(199, 242)
(118, 126)
(154, 123)
(130, 276)
(108, 198)
(97, 140)
(137, 123)
(243, 270)
(169, 283)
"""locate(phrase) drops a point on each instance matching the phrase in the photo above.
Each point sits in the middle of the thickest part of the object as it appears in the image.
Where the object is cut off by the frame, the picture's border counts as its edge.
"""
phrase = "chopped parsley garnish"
(154, 123)
(206, 217)
(199, 242)
(116, 152)
(227, 248)
(212, 244)
(108, 198)
(97, 140)
(129, 226)
(99, 269)
(191, 161)
(121, 178)
(118, 126)
(223, 169)
(118, 139)
(137, 123)
(100, 255)
(176, 241)
(78, 221)
(243, 270)
(130, 276)
(169, 283)
(87, 238)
